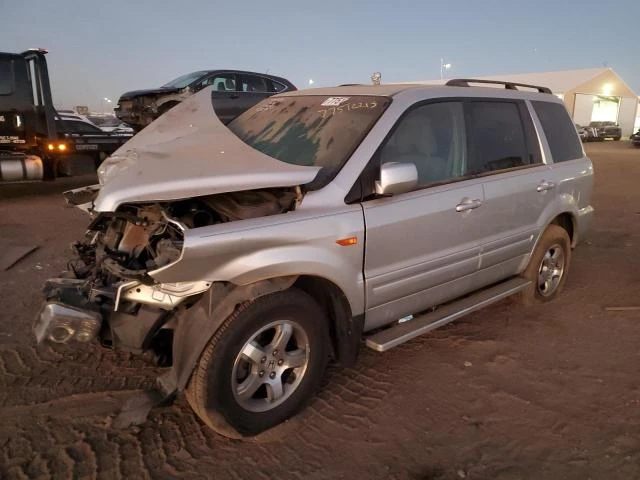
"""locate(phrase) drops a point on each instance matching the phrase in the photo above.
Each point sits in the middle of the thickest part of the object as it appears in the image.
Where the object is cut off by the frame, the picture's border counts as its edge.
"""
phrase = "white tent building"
(592, 94)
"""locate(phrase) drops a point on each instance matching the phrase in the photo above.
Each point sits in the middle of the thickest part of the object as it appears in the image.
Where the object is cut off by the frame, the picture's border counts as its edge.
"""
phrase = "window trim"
(355, 194)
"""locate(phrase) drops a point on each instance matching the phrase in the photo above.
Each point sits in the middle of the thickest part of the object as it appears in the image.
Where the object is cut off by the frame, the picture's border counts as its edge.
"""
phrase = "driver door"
(423, 246)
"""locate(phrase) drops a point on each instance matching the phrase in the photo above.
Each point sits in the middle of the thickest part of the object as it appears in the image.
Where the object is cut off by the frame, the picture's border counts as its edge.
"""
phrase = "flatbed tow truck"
(34, 143)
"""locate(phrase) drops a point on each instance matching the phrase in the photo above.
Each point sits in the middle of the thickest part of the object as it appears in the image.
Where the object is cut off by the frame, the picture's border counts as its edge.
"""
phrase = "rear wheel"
(548, 266)
(262, 365)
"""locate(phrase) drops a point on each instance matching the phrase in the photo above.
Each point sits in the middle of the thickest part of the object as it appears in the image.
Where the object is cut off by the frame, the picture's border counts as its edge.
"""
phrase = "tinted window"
(6, 76)
(496, 137)
(251, 83)
(431, 137)
(310, 129)
(558, 128)
(276, 86)
(221, 83)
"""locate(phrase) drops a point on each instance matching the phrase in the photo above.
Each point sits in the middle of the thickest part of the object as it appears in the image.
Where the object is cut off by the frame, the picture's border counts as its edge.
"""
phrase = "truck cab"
(34, 145)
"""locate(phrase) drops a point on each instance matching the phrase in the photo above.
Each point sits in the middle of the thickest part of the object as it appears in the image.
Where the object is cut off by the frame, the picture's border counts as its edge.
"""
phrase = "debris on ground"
(12, 254)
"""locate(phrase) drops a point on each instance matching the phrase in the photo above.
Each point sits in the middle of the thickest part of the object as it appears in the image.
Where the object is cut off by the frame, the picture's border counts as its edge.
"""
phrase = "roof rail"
(464, 82)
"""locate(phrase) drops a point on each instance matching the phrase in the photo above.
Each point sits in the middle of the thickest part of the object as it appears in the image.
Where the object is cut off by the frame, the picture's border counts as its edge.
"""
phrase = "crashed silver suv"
(248, 256)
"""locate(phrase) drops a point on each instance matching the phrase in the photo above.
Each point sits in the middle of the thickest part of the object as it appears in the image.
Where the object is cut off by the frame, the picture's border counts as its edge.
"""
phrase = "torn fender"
(196, 325)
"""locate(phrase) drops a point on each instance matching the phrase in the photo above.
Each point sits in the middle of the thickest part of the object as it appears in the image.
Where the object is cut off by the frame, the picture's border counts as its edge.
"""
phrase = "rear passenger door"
(253, 88)
(505, 152)
(571, 170)
(225, 95)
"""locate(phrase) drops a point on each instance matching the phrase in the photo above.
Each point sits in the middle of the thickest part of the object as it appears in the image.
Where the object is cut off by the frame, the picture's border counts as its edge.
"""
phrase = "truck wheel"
(262, 365)
(616, 138)
(548, 266)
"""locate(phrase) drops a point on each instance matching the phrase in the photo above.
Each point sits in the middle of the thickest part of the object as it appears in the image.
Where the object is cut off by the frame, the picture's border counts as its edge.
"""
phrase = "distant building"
(589, 94)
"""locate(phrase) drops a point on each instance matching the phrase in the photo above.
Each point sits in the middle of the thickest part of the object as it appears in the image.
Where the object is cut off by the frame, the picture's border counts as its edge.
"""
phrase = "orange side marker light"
(347, 242)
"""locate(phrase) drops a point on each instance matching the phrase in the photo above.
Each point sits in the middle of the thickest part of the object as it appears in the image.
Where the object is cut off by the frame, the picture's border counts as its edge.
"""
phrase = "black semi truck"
(35, 142)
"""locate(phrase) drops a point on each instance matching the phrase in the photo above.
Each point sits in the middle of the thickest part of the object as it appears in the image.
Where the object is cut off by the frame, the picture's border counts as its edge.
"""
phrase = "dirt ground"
(548, 392)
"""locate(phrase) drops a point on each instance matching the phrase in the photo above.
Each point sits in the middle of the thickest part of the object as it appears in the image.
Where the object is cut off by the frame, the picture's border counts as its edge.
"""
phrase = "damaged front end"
(109, 291)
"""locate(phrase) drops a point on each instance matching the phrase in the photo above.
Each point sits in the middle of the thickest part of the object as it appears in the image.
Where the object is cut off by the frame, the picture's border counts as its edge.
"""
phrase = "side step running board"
(402, 332)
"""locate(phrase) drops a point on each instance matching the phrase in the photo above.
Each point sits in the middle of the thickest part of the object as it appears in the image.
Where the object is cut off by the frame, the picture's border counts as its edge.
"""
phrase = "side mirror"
(397, 178)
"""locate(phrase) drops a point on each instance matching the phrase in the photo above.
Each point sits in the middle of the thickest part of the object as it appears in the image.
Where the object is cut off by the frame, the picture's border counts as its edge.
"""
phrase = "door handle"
(543, 186)
(234, 96)
(468, 204)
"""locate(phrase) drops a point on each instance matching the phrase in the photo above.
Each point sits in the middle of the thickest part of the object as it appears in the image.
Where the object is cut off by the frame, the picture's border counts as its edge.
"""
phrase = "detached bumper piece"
(61, 323)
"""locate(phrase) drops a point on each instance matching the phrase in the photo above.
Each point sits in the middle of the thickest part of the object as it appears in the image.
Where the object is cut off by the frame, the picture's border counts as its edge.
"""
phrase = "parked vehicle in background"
(233, 92)
(587, 134)
(607, 130)
(110, 123)
(36, 142)
(635, 138)
(249, 255)
(89, 141)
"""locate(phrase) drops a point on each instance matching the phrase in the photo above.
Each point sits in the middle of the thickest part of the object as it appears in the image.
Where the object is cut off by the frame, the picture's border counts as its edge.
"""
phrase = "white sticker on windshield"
(334, 101)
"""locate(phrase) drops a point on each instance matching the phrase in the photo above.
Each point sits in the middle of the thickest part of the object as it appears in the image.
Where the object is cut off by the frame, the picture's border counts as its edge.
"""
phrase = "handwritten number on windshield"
(331, 111)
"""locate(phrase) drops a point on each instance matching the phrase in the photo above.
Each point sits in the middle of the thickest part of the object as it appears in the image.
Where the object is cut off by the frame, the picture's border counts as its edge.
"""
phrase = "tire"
(215, 389)
(616, 139)
(545, 283)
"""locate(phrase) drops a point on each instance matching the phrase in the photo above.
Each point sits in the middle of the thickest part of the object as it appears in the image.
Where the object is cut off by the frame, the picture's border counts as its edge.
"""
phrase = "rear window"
(559, 130)
(6, 76)
(310, 130)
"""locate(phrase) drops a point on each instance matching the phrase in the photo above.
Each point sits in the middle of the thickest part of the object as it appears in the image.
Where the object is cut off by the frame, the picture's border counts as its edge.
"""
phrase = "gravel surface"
(546, 392)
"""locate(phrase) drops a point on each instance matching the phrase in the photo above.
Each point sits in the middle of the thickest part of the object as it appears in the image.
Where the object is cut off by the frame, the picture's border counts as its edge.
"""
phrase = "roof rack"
(464, 82)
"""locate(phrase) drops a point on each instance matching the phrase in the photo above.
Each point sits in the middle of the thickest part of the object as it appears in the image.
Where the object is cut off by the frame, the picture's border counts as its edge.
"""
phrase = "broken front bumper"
(124, 315)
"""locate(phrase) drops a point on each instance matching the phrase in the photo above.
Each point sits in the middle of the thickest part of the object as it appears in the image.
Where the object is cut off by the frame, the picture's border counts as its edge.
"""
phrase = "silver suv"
(246, 257)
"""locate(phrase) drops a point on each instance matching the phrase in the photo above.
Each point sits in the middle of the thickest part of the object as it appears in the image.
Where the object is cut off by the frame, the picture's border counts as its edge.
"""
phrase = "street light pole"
(443, 67)
(105, 99)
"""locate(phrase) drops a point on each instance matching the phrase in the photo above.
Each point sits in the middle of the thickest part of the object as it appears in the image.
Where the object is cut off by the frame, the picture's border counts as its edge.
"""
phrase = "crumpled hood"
(188, 152)
(149, 91)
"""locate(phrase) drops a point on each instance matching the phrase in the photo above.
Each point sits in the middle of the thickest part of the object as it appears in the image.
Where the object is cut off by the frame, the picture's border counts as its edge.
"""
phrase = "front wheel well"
(566, 221)
(345, 330)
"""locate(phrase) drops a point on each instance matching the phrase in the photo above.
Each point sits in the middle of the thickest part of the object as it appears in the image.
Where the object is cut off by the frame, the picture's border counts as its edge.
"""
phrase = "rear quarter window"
(558, 128)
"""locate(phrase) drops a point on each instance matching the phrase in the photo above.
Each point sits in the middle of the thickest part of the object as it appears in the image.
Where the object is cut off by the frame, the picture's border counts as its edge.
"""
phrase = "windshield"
(185, 80)
(310, 130)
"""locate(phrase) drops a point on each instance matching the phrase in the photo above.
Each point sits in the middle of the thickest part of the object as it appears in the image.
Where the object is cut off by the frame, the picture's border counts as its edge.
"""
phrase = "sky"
(101, 49)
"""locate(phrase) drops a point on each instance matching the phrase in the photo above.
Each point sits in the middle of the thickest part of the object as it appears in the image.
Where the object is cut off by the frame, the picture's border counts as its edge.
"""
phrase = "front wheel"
(262, 365)
(548, 266)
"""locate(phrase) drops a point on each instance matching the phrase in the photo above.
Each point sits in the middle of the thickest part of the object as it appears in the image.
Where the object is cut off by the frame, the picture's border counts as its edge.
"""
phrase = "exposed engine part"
(123, 247)
(166, 252)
